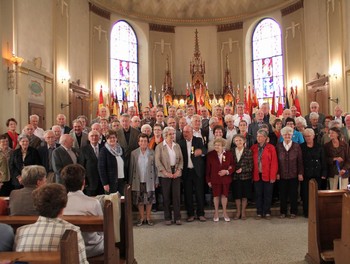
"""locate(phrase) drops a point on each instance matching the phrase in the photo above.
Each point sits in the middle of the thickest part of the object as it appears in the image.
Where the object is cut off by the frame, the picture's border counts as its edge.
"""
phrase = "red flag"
(273, 104)
(246, 106)
(280, 105)
(296, 101)
(292, 95)
(254, 102)
(100, 101)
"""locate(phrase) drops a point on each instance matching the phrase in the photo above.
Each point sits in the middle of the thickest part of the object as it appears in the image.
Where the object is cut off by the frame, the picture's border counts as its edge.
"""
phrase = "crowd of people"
(260, 158)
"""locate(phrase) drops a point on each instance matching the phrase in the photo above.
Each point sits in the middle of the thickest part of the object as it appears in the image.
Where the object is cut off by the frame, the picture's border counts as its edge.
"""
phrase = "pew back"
(68, 252)
(324, 224)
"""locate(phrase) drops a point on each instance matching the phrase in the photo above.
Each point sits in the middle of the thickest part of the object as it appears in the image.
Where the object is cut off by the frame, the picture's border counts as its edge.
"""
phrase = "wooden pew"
(342, 246)
(98, 224)
(324, 225)
(68, 252)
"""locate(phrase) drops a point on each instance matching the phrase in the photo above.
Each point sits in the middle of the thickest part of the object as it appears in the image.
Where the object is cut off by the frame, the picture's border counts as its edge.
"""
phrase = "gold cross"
(91, 101)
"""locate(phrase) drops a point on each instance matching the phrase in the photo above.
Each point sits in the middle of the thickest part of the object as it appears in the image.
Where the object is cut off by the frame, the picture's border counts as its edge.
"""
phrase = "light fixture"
(65, 77)
(12, 76)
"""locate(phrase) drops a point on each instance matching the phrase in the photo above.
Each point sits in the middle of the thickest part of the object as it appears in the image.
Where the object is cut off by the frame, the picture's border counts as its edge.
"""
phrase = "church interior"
(56, 55)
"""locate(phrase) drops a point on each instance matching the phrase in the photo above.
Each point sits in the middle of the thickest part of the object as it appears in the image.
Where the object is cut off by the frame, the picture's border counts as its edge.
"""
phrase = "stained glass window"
(124, 62)
(267, 60)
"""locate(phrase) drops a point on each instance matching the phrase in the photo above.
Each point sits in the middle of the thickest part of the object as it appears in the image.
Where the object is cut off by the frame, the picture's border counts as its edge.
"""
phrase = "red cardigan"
(213, 167)
(269, 163)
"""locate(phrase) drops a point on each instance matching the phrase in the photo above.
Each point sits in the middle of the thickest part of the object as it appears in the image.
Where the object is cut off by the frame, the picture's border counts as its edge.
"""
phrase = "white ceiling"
(182, 12)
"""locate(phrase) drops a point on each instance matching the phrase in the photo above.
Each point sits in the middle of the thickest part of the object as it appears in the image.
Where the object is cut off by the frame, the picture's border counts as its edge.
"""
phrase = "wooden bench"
(324, 225)
(98, 224)
(342, 246)
(68, 252)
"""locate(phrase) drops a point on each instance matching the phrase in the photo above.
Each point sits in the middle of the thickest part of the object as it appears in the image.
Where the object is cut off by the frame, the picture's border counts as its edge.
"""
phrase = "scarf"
(117, 151)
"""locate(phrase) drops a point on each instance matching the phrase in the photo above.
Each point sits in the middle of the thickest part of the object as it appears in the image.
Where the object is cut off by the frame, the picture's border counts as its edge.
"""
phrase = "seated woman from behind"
(45, 234)
(21, 201)
(73, 177)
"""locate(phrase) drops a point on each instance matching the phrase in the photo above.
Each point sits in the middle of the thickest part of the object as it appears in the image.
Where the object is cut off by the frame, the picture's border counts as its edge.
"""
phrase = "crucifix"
(91, 101)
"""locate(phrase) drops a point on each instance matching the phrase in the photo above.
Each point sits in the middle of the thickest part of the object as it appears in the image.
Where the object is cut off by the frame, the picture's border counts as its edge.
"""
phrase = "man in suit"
(146, 117)
(205, 117)
(45, 153)
(80, 138)
(61, 121)
(88, 158)
(128, 140)
(198, 131)
(192, 149)
(338, 111)
(314, 108)
(34, 141)
(256, 125)
(63, 156)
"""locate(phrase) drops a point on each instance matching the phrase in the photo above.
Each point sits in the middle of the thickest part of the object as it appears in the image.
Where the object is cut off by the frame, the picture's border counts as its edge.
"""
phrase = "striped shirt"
(45, 235)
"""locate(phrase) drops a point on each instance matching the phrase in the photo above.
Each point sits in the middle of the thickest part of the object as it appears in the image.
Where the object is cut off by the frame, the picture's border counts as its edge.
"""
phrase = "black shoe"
(140, 222)
(149, 222)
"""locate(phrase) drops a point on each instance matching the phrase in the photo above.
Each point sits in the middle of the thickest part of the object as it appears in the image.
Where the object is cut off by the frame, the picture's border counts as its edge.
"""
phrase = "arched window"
(267, 60)
(124, 62)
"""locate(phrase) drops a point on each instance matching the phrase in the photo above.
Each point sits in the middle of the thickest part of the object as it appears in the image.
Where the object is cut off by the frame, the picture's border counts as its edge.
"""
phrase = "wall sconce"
(334, 100)
(335, 71)
(12, 76)
(65, 77)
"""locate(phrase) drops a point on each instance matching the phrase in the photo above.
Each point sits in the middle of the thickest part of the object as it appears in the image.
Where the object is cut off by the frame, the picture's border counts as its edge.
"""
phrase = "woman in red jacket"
(220, 166)
(264, 173)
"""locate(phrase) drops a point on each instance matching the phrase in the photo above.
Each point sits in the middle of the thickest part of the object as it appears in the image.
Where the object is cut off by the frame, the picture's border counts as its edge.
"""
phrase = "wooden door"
(318, 90)
(37, 110)
(78, 101)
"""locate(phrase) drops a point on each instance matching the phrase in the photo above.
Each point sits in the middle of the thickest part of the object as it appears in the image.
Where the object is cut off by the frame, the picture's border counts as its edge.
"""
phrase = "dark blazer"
(83, 142)
(213, 167)
(331, 152)
(198, 162)
(88, 159)
(34, 141)
(128, 147)
(16, 163)
(314, 160)
(245, 163)
(67, 129)
(60, 159)
(254, 127)
(290, 163)
(320, 119)
(21, 202)
(44, 156)
(108, 169)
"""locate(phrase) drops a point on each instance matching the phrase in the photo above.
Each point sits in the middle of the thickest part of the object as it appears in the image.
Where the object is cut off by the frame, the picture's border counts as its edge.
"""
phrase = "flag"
(237, 95)
(286, 105)
(136, 106)
(254, 102)
(116, 108)
(150, 104)
(165, 107)
(292, 95)
(125, 101)
(280, 106)
(187, 95)
(273, 106)
(296, 101)
(206, 101)
(100, 101)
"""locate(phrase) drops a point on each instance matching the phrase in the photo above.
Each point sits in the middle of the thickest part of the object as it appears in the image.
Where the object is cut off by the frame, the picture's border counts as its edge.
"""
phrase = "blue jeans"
(263, 197)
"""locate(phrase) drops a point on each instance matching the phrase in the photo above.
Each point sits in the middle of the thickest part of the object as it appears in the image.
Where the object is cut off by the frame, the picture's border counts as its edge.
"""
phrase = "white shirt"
(171, 152)
(238, 118)
(230, 134)
(39, 132)
(287, 146)
(142, 163)
(239, 153)
(190, 150)
(80, 204)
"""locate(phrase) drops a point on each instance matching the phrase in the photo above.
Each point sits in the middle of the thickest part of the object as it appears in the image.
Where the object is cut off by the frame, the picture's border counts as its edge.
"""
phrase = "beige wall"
(65, 35)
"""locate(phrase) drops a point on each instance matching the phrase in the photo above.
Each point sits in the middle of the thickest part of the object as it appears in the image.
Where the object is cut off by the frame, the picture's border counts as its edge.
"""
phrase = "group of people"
(185, 152)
